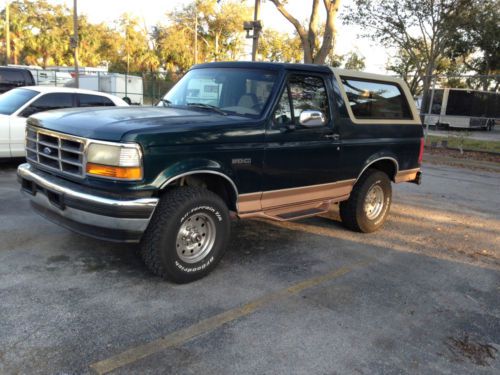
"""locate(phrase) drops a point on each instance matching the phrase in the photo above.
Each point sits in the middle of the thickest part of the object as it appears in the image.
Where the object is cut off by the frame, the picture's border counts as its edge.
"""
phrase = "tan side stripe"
(249, 202)
(306, 194)
(207, 325)
(253, 202)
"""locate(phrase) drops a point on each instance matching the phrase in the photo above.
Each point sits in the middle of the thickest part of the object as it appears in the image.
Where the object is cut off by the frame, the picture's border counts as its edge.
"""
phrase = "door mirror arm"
(288, 128)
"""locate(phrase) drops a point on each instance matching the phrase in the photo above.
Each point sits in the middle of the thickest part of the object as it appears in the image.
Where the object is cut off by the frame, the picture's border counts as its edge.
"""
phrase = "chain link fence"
(145, 89)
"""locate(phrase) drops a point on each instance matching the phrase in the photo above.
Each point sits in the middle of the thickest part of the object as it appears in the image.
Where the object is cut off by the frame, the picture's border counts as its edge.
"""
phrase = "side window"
(376, 100)
(303, 93)
(283, 114)
(94, 101)
(12, 76)
(48, 102)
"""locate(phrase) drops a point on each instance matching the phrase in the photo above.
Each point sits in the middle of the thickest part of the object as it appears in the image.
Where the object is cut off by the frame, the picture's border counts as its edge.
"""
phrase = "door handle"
(333, 137)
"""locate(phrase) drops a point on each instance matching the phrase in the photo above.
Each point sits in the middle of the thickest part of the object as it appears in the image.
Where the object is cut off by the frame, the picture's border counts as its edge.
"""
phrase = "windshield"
(232, 91)
(12, 100)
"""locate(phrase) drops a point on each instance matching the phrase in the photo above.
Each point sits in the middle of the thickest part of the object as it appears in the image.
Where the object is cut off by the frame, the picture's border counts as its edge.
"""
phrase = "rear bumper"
(82, 210)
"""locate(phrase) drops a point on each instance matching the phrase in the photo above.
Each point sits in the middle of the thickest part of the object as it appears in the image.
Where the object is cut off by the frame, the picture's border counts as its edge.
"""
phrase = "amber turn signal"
(122, 173)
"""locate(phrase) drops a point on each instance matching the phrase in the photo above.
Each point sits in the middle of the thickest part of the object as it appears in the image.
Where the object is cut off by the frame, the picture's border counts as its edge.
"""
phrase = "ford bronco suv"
(239, 139)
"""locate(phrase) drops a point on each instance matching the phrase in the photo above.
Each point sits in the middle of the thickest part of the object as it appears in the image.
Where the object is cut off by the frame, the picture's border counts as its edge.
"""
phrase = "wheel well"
(215, 183)
(388, 166)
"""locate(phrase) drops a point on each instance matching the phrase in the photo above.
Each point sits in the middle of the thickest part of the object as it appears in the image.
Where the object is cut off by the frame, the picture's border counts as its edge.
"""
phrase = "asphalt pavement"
(308, 297)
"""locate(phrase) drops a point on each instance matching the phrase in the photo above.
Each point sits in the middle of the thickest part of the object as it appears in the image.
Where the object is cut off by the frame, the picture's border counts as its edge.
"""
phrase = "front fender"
(192, 166)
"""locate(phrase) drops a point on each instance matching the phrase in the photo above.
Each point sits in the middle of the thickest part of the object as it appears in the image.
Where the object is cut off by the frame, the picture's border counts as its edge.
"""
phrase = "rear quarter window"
(87, 100)
(375, 100)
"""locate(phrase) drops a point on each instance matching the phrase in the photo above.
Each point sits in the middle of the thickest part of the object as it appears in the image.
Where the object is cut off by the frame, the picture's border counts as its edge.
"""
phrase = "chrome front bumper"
(80, 209)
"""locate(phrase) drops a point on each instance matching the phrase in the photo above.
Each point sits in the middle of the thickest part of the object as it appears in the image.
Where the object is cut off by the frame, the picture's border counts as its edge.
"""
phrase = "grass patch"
(464, 142)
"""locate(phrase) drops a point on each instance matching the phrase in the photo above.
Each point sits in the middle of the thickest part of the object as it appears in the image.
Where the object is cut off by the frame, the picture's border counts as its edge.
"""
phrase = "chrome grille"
(55, 151)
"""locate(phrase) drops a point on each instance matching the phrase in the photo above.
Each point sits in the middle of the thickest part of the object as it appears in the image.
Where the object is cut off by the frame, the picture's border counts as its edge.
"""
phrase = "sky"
(153, 12)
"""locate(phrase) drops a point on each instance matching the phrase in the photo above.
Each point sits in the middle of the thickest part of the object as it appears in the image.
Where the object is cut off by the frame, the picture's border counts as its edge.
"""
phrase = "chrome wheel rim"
(196, 238)
(374, 202)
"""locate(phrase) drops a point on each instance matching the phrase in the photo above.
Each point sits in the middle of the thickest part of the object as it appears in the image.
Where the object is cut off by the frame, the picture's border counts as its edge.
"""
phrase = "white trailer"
(465, 109)
(127, 87)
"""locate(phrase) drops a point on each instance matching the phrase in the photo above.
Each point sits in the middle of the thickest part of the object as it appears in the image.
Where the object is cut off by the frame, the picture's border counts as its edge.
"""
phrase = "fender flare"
(201, 171)
(373, 160)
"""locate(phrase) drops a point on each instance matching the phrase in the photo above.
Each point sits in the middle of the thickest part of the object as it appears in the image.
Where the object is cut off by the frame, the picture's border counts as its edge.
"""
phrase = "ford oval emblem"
(47, 151)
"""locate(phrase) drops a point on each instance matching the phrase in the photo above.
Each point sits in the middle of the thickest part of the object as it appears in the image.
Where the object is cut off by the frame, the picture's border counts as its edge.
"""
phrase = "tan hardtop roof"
(366, 75)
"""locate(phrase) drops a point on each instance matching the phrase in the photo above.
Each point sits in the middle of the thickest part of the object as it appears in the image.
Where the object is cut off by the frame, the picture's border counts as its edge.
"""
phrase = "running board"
(301, 214)
(298, 212)
(295, 212)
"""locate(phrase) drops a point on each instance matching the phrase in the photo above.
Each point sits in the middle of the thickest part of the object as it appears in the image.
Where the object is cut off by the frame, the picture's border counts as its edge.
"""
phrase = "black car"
(248, 140)
(11, 78)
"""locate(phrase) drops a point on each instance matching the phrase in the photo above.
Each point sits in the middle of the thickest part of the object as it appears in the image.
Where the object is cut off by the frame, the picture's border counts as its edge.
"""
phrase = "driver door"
(300, 158)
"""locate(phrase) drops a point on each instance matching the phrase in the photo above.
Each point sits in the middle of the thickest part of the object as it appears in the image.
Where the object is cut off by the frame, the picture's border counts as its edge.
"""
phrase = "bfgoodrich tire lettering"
(187, 235)
(369, 203)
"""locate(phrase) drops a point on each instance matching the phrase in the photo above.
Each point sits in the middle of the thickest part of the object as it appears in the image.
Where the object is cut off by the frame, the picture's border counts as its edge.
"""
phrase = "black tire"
(490, 125)
(175, 211)
(127, 100)
(352, 211)
(440, 126)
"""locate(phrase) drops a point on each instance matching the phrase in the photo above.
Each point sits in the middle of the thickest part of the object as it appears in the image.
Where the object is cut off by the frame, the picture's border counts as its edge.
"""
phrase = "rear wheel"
(187, 235)
(490, 125)
(369, 203)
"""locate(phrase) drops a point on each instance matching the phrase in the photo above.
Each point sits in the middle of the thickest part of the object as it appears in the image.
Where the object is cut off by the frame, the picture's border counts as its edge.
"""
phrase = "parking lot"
(307, 297)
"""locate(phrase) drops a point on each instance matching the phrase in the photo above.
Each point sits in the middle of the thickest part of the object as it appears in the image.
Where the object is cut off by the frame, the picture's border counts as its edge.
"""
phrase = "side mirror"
(312, 119)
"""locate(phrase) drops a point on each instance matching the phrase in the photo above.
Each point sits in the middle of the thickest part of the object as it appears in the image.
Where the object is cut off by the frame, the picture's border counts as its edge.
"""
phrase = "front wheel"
(187, 235)
(368, 206)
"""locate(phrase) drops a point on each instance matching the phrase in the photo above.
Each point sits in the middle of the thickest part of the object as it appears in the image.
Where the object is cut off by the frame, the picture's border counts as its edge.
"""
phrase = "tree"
(354, 61)
(280, 47)
(174, 47)
(40, 33)
(134, 48)
(407, 66)
(19, 28)
(218, 27)
(314, 51)
(425, 30)
(221, 22)
(99, 45)
(478, 42)
(51, 28)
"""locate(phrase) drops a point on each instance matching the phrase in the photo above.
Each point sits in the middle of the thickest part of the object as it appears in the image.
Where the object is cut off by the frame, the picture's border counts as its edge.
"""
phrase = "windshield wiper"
(207, 106)
(166, 102)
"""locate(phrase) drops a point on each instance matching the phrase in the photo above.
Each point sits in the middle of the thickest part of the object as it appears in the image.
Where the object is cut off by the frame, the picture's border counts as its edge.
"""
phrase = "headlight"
(120, 161)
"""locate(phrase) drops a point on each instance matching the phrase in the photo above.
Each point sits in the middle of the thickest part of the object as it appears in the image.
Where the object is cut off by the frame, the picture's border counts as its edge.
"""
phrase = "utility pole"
(75, 42)
(128, 55)
(256, 30)
(195, 34)
(7, 33)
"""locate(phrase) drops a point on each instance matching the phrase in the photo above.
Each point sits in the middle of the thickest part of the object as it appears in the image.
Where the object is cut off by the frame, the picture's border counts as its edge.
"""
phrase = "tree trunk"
(216, 57)
(427, 80)
(309, 37)
(308, 59)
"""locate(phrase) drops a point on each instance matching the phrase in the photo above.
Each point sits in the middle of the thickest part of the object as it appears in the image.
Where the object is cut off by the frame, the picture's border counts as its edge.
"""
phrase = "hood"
(126, 123)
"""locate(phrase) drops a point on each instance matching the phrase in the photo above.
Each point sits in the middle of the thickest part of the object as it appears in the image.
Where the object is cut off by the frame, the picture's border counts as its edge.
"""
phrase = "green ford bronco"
(245, 140)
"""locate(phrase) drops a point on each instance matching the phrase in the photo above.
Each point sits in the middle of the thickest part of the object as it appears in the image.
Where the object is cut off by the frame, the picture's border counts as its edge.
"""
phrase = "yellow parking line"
(207, 325)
